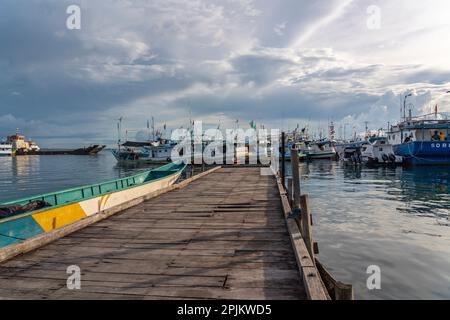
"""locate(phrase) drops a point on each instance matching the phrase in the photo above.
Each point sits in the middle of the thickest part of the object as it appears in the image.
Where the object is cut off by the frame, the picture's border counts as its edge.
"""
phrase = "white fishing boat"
(320, 150)
(6, 149)
(160, 154)
(150, 152)
(351, 152)
(379, 152)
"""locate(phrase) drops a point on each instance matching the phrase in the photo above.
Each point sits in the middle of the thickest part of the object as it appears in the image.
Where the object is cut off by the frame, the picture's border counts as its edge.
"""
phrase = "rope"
(419, 158)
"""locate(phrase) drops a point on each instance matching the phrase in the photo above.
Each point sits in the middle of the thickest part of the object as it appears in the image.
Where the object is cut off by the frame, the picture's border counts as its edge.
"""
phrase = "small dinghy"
(26, 218)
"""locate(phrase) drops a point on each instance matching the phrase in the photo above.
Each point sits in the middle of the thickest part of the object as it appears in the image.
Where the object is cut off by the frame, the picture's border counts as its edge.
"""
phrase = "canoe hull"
(18, 229)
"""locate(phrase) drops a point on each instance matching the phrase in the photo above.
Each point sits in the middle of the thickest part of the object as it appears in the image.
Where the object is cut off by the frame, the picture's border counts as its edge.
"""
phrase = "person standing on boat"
(442, 136)
(435, 137)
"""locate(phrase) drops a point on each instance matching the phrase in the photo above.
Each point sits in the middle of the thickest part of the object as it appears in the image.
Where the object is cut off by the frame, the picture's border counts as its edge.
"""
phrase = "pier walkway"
(223, 236)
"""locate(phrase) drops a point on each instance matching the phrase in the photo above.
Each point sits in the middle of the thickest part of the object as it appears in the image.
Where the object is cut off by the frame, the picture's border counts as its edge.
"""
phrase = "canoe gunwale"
(146, 173)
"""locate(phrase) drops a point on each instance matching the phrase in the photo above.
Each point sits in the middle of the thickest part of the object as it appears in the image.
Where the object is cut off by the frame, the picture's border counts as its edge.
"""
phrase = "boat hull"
(149, 161)
(139, 158)
(327, 155)
(90, 151)
(19, 228)
(424, 152)
(375, 162)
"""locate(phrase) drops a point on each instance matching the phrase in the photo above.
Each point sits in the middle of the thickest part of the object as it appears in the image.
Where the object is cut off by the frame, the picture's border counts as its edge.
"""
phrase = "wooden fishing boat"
(41, 214)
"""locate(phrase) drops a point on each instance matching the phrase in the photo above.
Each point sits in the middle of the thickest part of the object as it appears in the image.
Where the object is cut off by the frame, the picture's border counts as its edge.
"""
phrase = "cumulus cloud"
(277, 63)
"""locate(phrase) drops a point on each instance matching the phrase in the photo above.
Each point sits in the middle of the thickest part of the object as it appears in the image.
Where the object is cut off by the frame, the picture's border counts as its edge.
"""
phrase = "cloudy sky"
(275, 62)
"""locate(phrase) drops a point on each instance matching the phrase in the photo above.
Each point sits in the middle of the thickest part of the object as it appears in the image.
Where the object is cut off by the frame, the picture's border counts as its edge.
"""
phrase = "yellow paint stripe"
(101, 203)
(106, 200)
(59, 217)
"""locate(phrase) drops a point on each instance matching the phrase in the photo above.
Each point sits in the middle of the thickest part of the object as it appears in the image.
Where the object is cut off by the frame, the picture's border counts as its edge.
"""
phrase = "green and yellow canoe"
(55, 210)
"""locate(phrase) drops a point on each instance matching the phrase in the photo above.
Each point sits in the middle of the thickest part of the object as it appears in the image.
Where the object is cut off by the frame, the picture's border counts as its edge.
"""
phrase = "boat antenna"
(404, 105)
(153, 127)
(367, 127)
(119, 129)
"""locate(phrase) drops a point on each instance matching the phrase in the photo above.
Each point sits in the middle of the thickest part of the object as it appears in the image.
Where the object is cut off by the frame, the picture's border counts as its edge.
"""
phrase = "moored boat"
(299, 146)
(320, 150)
(145, 152)
(422, 142)
(20, 145)
(351, 152)
(85, 151)
(6, 149)
(26, 218)
(379, 152)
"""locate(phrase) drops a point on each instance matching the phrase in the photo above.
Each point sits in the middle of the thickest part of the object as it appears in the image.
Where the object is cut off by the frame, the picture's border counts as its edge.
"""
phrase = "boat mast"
(153, 127)
(332, 131)
(119, 129)
(404, 105)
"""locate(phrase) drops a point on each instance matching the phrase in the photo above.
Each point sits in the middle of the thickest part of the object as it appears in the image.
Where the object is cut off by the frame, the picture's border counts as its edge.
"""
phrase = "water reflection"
(397, 218)
(24, 166)
(24, 176)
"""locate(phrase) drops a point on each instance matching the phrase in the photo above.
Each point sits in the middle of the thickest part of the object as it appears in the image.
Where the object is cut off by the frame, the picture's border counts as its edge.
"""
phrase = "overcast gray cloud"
(275, 62)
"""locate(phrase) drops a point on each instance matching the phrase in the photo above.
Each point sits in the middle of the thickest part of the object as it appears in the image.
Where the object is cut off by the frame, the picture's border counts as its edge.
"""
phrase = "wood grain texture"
(223, 236)
(313, 284)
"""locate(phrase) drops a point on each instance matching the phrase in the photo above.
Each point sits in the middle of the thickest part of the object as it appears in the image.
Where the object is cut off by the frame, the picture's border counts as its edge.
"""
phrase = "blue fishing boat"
(23, 219)
(422, 141)
(299, 146)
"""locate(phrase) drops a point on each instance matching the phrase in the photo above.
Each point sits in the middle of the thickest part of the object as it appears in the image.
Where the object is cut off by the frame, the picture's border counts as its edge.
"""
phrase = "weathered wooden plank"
(41, 240)
(313, 284)
(221, 237)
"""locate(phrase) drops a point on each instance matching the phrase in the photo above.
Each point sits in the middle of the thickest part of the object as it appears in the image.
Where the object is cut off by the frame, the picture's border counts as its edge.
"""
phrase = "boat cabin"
(5, 149)
(424, 130)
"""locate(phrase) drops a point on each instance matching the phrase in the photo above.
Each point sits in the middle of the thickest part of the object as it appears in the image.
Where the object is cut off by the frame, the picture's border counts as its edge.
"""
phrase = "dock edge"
(44, 239)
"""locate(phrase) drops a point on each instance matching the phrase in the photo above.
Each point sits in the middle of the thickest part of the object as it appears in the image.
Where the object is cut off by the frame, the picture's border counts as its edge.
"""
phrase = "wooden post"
(283, 159)
(306, 229)
(343, 291)
(336, 289)
(295, 178)
(289, 190)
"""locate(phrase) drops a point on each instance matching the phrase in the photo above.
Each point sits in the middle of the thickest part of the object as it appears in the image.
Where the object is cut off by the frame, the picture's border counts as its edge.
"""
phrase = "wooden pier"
(222, 235)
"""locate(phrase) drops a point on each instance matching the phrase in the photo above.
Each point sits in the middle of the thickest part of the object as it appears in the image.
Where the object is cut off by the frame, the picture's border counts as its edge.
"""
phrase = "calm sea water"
(397, 219)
